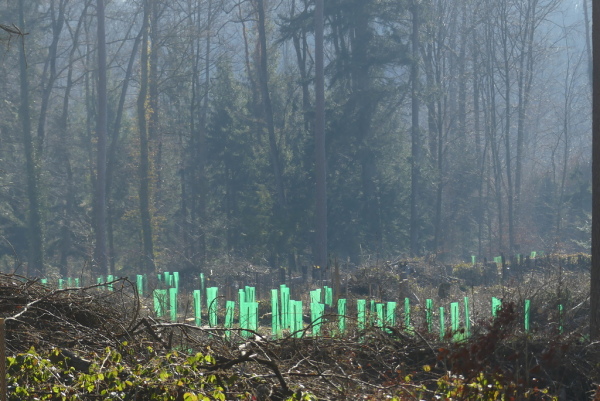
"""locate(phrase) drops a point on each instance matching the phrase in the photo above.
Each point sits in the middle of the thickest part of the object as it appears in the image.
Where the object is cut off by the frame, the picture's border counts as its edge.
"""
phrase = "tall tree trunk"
(202, 152)
(100, 251)
(34, 227)
(144, 166)
(48, 85)
(415, 162)
(63, 126)
(492, 133)
(507, 121)
(112, 151)
(154, 136)
(300, 46)
(595, 269)
(588, 45)
(267, 106)
(320, 156)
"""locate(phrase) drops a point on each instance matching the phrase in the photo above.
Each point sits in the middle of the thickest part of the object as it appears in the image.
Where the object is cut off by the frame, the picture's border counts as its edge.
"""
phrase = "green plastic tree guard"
(442, 324)
(316, 316)
(110, 278)
(77, 282)
(342, 315)
(473, 260)
(173, 303)
(467, 318)
(298, 326)
(454, 318)
(229, 312)
(407, 313)
(61, 283)
(244, 319)
(429, 314)
(560, 319)
(275, 322)
(496, 305)
(140, 285)
(202, 282)
(380, 315)
(285, 307)
(315, 296)
(69, 282)
(328, 296)
(176, 279)
(292, 316)
(197, 294)
(212, 306)
(252, 315)
(250, 294)
(390, 318)
(527, 313)
(372, 312)
(361, 305)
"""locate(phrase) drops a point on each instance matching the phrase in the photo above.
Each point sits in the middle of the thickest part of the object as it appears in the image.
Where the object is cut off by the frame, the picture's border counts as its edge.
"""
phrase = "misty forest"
(419, 172)
(451, 128)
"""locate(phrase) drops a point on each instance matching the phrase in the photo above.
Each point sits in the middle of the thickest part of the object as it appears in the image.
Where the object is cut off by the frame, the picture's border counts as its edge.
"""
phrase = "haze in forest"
(452, 128)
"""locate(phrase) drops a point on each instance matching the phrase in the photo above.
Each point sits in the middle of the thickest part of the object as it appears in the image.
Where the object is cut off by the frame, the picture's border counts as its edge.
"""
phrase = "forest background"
(454, 128)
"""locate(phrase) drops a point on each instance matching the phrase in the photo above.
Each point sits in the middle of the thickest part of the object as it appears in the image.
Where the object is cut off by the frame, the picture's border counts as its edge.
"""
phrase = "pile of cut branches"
(88, 318)
(100, 343)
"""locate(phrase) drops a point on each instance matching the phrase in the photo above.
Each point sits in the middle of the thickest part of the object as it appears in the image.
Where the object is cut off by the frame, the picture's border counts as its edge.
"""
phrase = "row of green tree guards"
(498, 259)
(287, 314)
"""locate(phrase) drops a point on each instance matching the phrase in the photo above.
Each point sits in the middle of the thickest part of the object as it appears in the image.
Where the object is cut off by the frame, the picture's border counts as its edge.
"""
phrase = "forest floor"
(90, 344)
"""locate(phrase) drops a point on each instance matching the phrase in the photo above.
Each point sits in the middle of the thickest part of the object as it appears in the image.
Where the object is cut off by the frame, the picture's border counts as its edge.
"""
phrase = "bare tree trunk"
(300, 46)
(507, 120)
(202, 153)
(191, 226)
(112, 150)
(144, 168)
(154, 135)
(34, 229)
(100, 252)
(588, 45)
(267, 106)
(48, 86)
(595, 269)
(320, 156)
(63, 125)
(415, 162)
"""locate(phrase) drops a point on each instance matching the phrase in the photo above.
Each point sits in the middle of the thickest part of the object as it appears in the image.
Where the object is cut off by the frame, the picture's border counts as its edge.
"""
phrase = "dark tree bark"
(267, 106)
(34, 229)
(144, 166)
(588, 45)
(154, 135)
(112, 151)
(201, 151)
(100, 251)
(505, 41)
(48, 84)
(66, 231)
(320, 156)
(415, 163)
(301, 48)
(595, 270)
